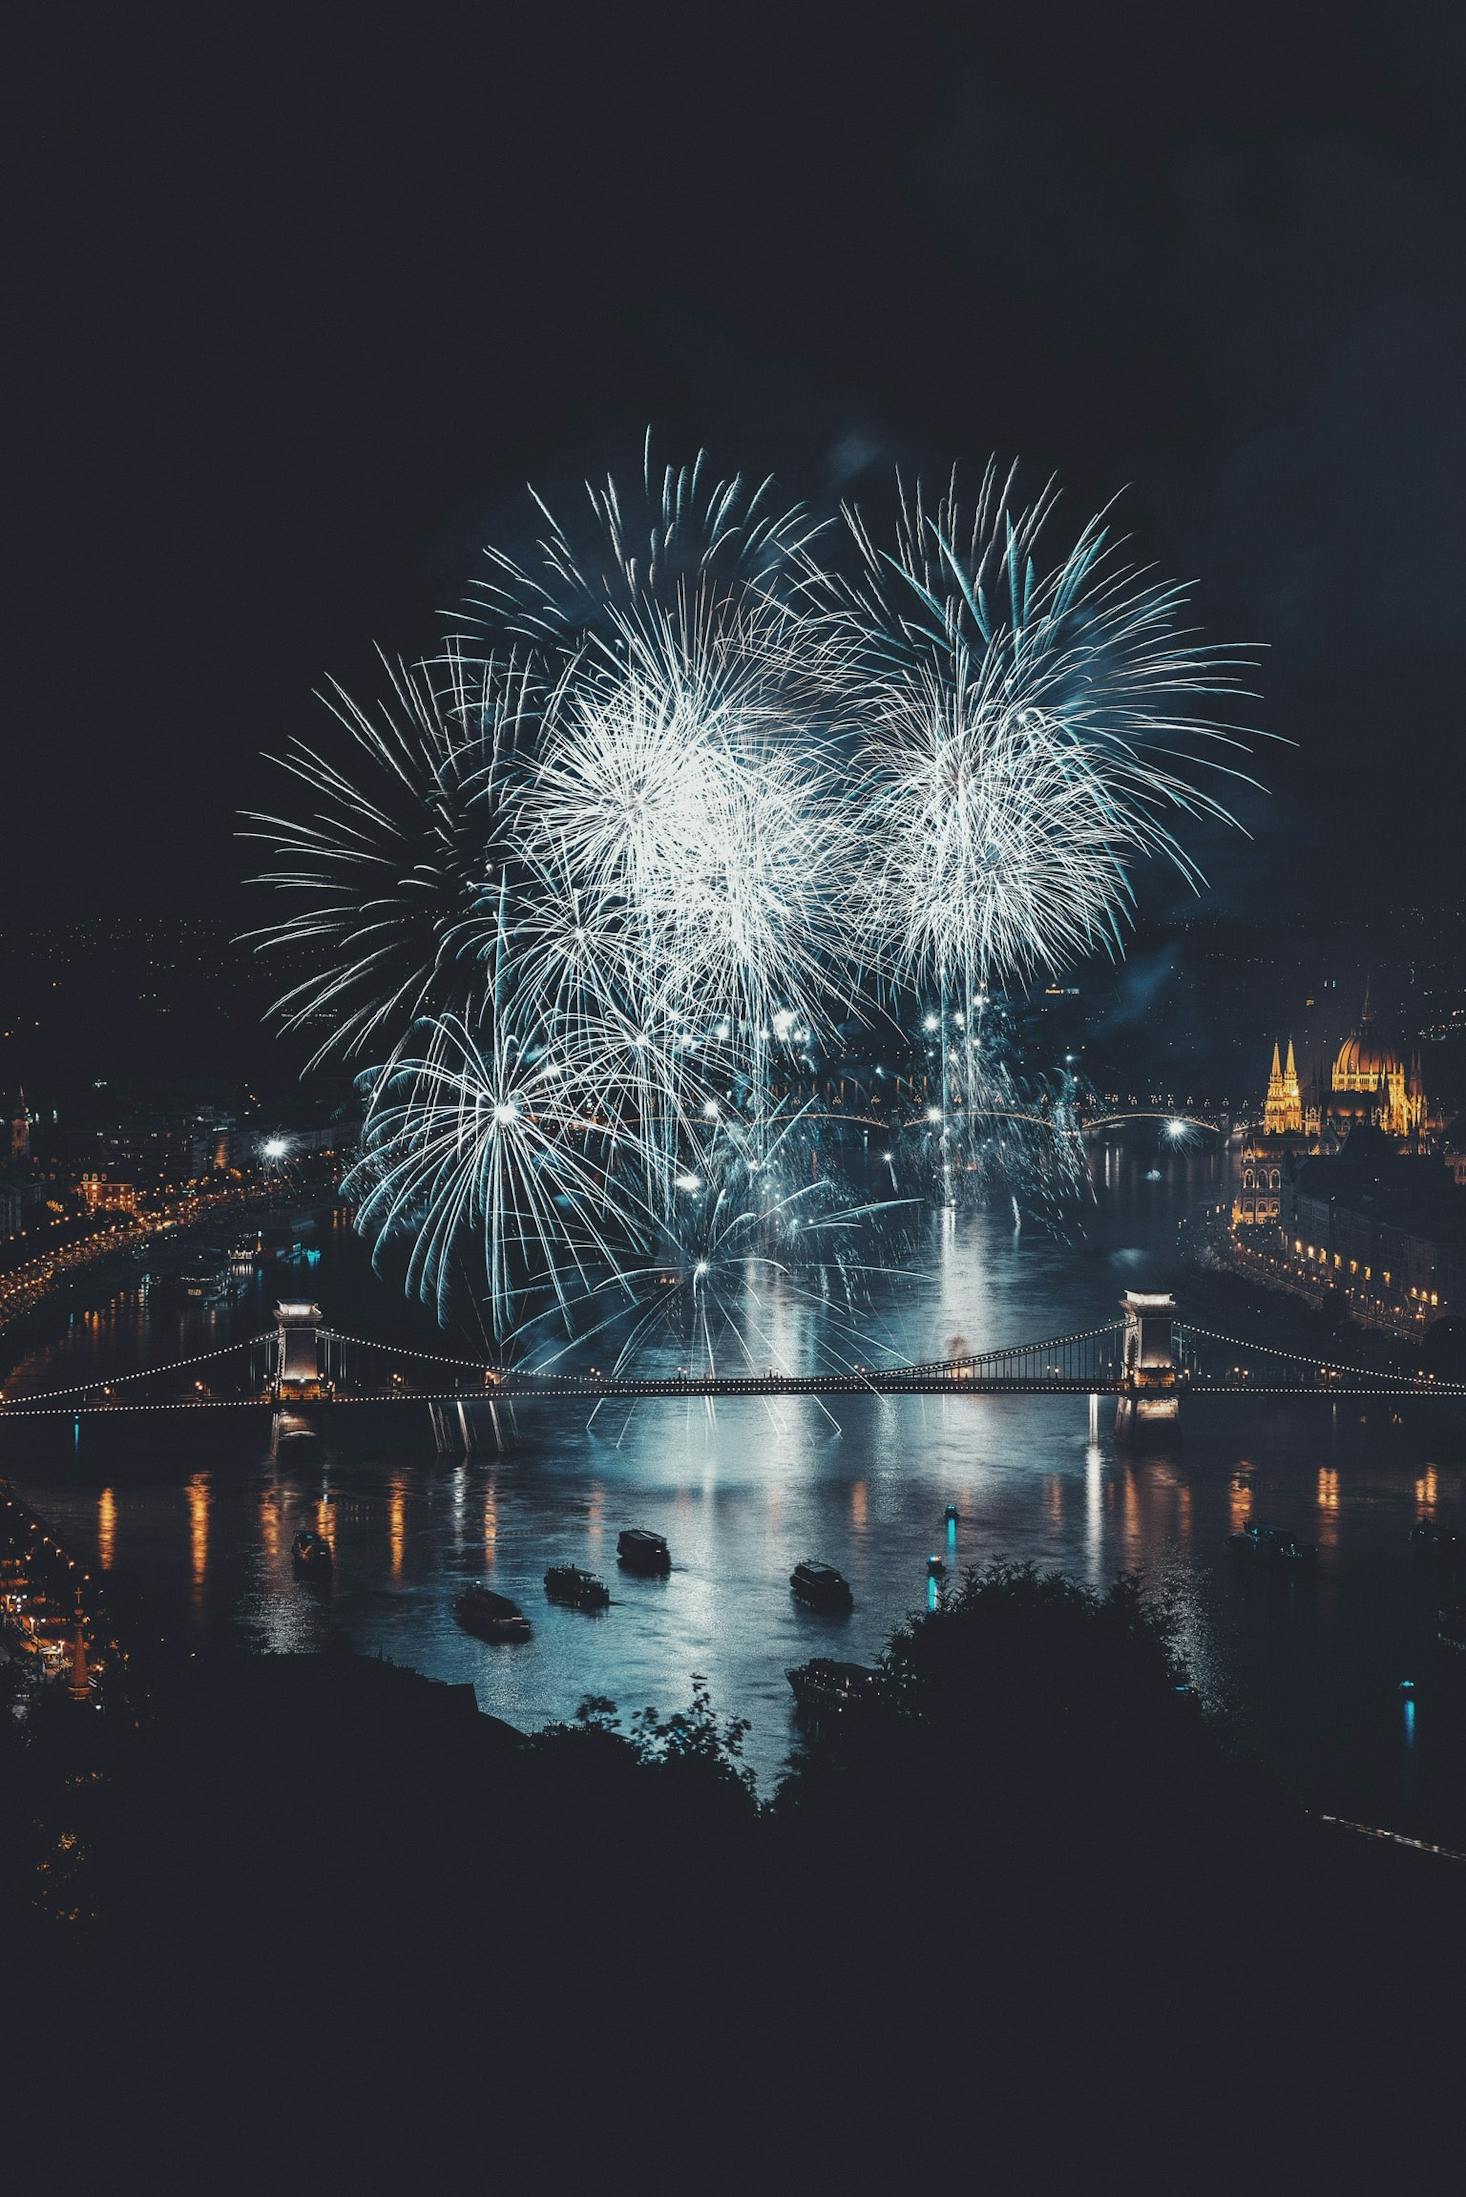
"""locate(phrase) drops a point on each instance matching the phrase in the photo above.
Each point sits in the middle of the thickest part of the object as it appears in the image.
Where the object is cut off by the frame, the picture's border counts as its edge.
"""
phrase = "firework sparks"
(394, 870)
(575, 911)
(1020, 727)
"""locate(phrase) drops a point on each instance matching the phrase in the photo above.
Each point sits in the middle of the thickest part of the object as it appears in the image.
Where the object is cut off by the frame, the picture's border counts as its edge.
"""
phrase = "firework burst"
(395, 871)
(1024, 727)
(578, 913)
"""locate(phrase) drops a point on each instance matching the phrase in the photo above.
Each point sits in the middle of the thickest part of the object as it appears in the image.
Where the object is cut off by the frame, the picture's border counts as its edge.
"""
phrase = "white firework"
(485, 1134)
(395, 872)
(992, 844)
(689, 806)
(1031, 715)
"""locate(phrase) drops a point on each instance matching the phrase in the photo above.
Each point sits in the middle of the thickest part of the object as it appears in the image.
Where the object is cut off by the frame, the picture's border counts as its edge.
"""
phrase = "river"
(194, 1517)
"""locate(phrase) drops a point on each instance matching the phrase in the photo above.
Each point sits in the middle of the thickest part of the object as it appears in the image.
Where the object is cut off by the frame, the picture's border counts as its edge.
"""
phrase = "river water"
(193, 1515)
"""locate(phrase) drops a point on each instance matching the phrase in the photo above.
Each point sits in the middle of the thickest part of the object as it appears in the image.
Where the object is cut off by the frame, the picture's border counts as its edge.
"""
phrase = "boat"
(935, 1568)
(311, 1552)
(821, 1587)
(951, 1514)
(491, 1616)
(578, 1590)
(641, 1550)
(1273, 1545)
(825, 1687)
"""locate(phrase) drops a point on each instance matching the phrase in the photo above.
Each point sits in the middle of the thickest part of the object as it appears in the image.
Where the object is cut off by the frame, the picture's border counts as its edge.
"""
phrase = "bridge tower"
(297, 1352)
(1149, 1404)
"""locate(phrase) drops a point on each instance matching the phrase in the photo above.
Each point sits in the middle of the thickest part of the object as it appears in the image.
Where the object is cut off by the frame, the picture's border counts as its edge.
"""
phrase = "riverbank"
(320, 1860)
(1217, 1247)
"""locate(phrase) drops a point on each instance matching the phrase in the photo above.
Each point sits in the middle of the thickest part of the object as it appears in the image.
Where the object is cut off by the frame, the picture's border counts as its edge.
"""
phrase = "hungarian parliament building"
(1349, 1186)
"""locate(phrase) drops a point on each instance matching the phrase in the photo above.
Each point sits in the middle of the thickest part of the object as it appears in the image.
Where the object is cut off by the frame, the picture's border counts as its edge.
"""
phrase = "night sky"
(301, 305)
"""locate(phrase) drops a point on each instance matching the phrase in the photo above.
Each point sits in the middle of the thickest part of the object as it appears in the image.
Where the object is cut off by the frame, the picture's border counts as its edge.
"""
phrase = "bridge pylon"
(297, 1372)
(1149, 1404)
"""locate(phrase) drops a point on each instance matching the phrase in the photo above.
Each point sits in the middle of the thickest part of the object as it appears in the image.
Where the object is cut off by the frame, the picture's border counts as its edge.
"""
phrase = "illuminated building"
(1369, 1085)
(103, 1194)
(1266, 1155)
(15, 1130)
(1385, 1229)
(1372, 1083)
(1282, 1112)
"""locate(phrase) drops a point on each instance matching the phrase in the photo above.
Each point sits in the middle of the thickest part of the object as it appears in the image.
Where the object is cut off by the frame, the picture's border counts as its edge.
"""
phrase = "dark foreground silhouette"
(1031, 1918)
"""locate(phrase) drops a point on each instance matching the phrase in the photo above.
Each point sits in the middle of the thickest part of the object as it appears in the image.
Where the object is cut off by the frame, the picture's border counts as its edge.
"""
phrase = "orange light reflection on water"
(396, 1525)
(106, 1528)
(198, 1527)
(1427, 1489)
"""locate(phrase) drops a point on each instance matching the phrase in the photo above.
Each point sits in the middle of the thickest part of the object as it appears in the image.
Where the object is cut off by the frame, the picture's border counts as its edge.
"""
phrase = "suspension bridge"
(1148, 1360)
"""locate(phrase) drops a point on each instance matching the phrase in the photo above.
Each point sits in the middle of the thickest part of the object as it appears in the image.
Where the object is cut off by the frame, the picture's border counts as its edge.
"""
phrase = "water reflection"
(1427, 1489)
(396, 1523)
(1094, 1498)
(270, 1523)
(198, 1530)
(106, 1529)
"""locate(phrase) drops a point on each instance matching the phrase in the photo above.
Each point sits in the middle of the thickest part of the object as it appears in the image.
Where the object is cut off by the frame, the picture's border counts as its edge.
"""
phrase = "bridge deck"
(1088, 1363)
(571, 1390)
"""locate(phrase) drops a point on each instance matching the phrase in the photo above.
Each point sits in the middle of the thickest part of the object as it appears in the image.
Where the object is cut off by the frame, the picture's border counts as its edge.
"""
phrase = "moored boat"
(311, 1552)
(1274, 1545)
(825, 1687)
(577, 1589)
(641, 1550)
(821, 1587)
(491, 1616)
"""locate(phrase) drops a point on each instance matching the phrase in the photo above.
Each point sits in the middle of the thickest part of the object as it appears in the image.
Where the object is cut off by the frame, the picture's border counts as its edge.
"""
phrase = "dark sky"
(297, 305)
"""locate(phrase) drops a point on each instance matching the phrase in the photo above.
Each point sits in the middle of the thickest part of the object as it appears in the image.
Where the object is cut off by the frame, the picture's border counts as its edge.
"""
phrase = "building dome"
(1363, 1064)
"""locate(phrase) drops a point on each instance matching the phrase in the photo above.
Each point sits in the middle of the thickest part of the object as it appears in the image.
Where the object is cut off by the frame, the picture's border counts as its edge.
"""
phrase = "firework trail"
(1003, 1132)
(765, 1233)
